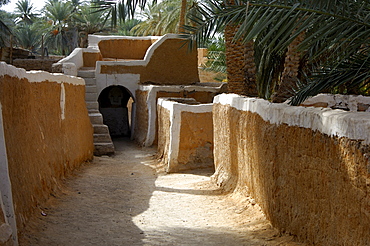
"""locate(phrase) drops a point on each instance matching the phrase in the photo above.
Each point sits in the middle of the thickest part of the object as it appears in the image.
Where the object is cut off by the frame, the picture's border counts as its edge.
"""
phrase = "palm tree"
(122, 10)
(6, 26)
(126, 29)
(29, 36)
(88, 21)
(159, 19)
(4, 29)
(60, 15)
(118, 11)
(335, 47)
(23, 10)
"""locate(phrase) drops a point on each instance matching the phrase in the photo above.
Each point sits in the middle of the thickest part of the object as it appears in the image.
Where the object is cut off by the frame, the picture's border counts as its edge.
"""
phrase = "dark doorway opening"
(115, 104)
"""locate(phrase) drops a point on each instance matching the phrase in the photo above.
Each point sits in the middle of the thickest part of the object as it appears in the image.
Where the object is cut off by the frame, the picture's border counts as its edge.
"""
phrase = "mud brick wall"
(164, 124)
(185, 134)
(35, 64)
(47, 134)
(307, 168)
(146, 97)
(141, 119)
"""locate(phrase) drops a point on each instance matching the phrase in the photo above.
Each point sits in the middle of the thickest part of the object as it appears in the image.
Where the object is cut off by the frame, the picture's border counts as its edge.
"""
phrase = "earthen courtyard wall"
(185, 134)
(146, 124)
(313, 182)
(47, 134)
(124, 48)
(171, 63)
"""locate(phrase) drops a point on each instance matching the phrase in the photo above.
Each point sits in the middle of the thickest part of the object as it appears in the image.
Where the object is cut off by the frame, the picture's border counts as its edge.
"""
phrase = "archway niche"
(115, 104)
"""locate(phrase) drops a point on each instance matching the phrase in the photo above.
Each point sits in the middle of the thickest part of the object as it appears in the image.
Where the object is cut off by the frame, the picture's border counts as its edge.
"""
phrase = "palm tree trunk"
(182, 16)
(250, 70)
(241, 69)
(285, 89)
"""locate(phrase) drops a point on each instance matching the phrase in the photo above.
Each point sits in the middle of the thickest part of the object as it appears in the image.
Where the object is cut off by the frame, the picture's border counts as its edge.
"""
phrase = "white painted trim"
(353, 125)
(5, 184)
(173, 151)
(62, 101)
(127, 80)
(38, 76)
(349, 101)
(95, 39)
(75, 57)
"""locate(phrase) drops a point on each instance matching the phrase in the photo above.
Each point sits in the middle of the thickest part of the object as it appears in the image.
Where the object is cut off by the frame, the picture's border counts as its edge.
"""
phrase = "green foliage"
(118, 11)
(126, 29)
(161, 18)
(24, 12)
(6, 25)
(336, 44)
(3, 2)
(216, 59)
(29, 36)
(88, 20)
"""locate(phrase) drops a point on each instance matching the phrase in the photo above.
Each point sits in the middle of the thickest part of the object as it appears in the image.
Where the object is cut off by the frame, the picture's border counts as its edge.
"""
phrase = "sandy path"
(122, 200)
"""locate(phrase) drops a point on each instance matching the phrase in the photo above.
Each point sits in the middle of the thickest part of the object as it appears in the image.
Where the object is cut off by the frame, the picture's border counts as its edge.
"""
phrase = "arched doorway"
(115, 104)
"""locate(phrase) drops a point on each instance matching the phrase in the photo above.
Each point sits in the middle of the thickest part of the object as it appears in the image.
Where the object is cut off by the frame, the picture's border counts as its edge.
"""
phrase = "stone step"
(92, 105)
(96, 118)
(90, 81)
(100, 129)
(93, 111)
(102, 138)
(90, 89)
(86, 73)
(103, 149)
(91, 96)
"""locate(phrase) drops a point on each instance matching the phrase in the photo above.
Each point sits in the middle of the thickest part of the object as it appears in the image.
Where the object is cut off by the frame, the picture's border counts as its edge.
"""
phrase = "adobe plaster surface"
(47, 134)
(150, 93)
(308, 168)
(353, 125)
(181, 146)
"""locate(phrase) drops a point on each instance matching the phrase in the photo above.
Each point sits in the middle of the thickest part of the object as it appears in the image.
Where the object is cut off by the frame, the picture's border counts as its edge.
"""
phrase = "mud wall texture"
(196, 141)
(36, 64)
(185, 134)
(309, 183)
(141, 117)
(124, 48)
(90, 58)
(170, 64)
(47, 134)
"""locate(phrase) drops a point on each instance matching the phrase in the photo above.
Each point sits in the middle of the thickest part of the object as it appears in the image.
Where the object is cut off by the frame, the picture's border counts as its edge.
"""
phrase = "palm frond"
(336, 37)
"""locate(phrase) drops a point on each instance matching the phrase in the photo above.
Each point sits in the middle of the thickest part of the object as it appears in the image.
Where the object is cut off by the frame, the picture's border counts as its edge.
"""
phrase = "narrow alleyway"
(124, 200)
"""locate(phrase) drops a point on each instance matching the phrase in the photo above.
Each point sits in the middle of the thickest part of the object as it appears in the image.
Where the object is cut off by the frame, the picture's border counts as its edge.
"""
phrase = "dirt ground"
(127, 200)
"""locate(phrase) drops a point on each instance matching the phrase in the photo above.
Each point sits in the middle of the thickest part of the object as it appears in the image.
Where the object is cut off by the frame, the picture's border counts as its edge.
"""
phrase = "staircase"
(102, 141)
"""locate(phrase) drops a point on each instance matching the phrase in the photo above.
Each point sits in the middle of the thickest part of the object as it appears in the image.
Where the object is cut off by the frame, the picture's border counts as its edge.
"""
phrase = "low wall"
(36, 64)
(185, 134)
(145, 132)
(47, 134)
(308, 168)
